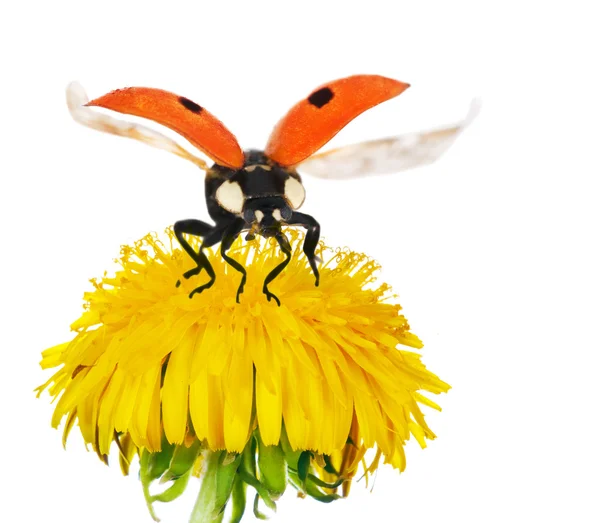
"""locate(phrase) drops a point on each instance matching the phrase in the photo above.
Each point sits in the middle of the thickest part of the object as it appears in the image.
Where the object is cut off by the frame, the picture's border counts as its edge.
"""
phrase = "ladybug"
(260, 191)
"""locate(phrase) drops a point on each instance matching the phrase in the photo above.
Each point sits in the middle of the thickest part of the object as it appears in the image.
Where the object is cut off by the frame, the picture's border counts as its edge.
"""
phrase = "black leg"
(197, 228)
(210, 235)
(313, 231)
(229, 236)
(285, 246)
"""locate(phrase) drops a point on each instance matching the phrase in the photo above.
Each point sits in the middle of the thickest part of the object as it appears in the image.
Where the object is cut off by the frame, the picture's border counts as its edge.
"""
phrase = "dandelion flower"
(242, 395)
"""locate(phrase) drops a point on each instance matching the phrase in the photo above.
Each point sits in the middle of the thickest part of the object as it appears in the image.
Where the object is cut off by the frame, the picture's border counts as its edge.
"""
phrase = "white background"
(493, 250)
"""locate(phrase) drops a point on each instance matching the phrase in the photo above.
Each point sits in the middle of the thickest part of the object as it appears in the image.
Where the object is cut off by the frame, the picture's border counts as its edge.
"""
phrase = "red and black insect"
(259, 191)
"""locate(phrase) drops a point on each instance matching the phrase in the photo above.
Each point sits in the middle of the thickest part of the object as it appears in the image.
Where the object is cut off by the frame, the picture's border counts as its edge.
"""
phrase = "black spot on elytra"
(321, 97)
(189, 105)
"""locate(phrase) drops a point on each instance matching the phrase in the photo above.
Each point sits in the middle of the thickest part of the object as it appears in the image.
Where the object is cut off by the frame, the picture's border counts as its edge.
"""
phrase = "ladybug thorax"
(261, 191)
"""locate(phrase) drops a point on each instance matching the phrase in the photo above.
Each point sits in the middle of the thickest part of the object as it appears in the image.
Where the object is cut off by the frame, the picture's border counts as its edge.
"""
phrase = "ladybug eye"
(286, 214)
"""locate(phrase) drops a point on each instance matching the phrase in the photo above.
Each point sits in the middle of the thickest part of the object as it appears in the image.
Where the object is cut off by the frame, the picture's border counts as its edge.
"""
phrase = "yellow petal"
(175, 388)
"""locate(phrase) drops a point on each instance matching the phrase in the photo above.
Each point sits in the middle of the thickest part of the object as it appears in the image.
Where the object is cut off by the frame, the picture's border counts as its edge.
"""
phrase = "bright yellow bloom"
(311, 385)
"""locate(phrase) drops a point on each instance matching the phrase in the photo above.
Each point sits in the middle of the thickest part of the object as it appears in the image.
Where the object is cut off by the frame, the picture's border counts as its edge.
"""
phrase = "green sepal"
(323, 484)
(311, 485)
(272, 466)
(183, 460)
(247, 473)
(291, 456)
(260, 489)
(304, 465)
(249, 457)
(205, 510)
(174, 491)
(238, 500)
(316, 493)
(295, 481)
(227, 468)
(145, 478)
(257, 513)
(158, 462)
(329, 466)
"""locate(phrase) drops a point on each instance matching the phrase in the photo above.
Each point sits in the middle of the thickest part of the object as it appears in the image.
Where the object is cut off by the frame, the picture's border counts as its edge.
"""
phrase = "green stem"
(145, 478)
(204, 509)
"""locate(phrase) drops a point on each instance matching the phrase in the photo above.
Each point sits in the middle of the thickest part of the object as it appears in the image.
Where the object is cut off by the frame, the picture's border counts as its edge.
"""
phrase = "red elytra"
(194, 123)
(309, 124)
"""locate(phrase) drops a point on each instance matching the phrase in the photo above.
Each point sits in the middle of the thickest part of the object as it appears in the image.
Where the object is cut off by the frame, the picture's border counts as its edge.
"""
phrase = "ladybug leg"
(313, 232)
(210, 235)
(229, 236)
(285, 246)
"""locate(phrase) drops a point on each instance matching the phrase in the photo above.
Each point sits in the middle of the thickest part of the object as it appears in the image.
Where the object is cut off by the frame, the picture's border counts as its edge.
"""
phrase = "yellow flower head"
(251, 393)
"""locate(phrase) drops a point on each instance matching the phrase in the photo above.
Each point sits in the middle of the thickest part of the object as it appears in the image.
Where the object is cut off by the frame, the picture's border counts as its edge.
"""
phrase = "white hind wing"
(76, 100)
(388, 155)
